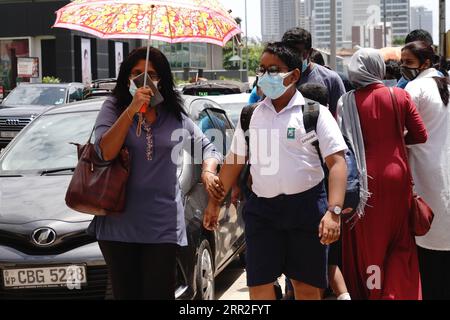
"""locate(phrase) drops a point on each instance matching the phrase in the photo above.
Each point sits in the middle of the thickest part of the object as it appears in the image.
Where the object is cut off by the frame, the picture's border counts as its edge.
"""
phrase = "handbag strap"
(400, 128)
(90, 136)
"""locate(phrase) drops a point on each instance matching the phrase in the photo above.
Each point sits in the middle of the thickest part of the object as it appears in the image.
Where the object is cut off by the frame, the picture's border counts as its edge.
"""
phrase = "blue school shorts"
(282, 237)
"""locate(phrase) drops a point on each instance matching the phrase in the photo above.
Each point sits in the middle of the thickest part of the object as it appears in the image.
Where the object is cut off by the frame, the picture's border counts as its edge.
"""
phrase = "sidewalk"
(232, 283)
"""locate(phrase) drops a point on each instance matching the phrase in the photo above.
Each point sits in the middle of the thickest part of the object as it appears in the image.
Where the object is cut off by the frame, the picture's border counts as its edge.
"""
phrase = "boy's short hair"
(295, 36)
(285, 53)
(419, 35)
(316, 92)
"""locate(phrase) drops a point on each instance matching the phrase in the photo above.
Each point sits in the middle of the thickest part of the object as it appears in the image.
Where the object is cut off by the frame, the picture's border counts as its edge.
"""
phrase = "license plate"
(57, 276)
(8, 134)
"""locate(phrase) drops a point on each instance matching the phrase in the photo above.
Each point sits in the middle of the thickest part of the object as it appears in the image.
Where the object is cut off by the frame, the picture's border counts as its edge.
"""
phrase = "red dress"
(379, 253)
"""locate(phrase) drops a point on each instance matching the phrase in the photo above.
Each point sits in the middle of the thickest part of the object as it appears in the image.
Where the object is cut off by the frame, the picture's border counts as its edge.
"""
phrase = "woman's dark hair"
(285, 53)
(317, 57)
(172, 98)
(424, 51)
(393, 69)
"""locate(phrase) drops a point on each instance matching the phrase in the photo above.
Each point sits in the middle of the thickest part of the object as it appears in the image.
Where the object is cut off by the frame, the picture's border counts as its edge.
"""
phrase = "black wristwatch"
(335, 209)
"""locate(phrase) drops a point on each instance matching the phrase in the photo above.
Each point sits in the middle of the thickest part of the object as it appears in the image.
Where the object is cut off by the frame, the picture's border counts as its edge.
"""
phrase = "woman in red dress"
(379, 252)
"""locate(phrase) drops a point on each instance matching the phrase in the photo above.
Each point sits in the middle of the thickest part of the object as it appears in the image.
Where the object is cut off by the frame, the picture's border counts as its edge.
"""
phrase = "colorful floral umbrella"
(171, 20)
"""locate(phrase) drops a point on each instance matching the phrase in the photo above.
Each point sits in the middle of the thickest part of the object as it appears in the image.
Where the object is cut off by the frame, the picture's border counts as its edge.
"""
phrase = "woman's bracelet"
(214, 173)
(128, 114)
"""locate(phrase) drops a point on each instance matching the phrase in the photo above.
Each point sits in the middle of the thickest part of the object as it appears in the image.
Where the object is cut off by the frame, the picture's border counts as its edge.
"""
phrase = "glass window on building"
(10, 50)
(198, 55)
(184, 55)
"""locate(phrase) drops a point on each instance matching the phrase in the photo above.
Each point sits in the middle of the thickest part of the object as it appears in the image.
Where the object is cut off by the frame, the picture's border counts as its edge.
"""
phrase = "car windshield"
(36, 95)
(45, 145)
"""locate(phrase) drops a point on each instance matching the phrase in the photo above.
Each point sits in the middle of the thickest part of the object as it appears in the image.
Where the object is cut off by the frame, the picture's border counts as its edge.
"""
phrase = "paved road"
(231, 284)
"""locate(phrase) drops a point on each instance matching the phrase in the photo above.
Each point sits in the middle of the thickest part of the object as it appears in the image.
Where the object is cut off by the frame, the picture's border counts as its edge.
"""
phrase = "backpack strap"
(311, 112)
(246, 117)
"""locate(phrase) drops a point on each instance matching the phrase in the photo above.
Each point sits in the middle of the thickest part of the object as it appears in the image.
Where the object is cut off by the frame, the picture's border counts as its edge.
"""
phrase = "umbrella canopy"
(170, 20)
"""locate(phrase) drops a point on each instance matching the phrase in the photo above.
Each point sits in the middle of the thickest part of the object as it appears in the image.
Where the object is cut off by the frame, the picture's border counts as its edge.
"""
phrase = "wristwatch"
(336, 210)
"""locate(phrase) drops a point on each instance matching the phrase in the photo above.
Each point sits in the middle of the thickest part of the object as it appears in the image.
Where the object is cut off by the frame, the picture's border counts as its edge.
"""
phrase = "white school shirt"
(283, 160)
(430, 162)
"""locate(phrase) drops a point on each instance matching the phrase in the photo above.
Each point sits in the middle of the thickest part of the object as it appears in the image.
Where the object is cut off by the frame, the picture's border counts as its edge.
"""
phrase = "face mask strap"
(287, 75)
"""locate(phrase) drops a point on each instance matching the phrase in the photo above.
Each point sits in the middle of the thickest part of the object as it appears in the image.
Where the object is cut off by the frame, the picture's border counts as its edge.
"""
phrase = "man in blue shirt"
(301, 40)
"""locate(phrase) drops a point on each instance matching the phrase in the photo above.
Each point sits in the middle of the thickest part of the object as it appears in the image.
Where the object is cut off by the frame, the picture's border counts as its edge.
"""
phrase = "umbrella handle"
(143, 108)
(148, 46)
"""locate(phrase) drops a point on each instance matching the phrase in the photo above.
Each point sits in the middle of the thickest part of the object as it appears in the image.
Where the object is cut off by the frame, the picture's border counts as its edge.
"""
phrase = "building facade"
(371, 36)
(270, 20)
(25, 31)
(277, 16)
(304, 14)
(422, 18)
(398, 15)
(322, 24)
(72, 56)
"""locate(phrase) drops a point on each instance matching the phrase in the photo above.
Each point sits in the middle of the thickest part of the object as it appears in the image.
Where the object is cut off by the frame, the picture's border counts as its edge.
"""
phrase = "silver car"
(45, 252)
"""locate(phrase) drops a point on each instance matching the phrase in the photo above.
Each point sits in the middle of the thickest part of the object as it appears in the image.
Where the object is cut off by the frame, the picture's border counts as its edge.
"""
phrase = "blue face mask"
(305, 65)
(273, 86)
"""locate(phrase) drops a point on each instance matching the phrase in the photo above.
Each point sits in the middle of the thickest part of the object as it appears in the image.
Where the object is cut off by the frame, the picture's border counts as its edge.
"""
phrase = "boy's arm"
(329, 228)
(228, 176)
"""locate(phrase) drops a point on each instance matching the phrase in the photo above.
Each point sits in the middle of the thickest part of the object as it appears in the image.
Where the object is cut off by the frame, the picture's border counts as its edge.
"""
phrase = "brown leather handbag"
(421, 215)
(98, 187)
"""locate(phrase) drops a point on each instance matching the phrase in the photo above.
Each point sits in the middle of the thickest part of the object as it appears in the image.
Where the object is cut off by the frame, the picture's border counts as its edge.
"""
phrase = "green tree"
(227, 54)
(255, 49)
(51, 80)
(399, 41)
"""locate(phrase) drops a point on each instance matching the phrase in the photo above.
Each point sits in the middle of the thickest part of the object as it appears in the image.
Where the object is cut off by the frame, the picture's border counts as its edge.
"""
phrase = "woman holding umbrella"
(139, 245)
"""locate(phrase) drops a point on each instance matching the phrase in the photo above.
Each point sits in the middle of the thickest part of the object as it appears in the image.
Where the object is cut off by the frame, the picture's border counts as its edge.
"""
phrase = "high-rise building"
(270, 20)
(422, 18)
(359, 13)
(322, 23)
(277, 16)
(398, 14)
(304, 14)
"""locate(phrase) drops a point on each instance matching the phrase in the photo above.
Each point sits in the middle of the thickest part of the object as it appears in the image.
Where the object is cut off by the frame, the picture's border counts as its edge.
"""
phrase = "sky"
(254, 14)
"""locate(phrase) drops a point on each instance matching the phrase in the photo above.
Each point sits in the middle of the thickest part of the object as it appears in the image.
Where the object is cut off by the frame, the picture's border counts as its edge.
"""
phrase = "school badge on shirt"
(291, 133)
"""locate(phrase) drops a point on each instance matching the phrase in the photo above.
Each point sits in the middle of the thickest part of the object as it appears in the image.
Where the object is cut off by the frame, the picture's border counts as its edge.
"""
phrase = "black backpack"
(311, 112)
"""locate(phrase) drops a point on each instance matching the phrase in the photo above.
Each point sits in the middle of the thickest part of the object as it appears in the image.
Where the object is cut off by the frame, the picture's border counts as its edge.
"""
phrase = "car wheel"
(205, 272)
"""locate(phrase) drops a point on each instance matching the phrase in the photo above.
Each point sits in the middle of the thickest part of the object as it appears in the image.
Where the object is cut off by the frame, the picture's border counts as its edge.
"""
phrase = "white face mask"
(138, 82)
(132, 88)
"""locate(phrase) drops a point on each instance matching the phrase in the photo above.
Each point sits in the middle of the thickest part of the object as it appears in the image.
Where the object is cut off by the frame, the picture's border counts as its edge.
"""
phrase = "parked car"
(232, 104)
(41, 239)
(99, 88)
(215, 88)
(27, 101)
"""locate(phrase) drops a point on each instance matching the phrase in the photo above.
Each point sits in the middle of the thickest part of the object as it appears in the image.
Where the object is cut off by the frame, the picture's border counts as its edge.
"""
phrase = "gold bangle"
(128, 114)
(208, 171)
